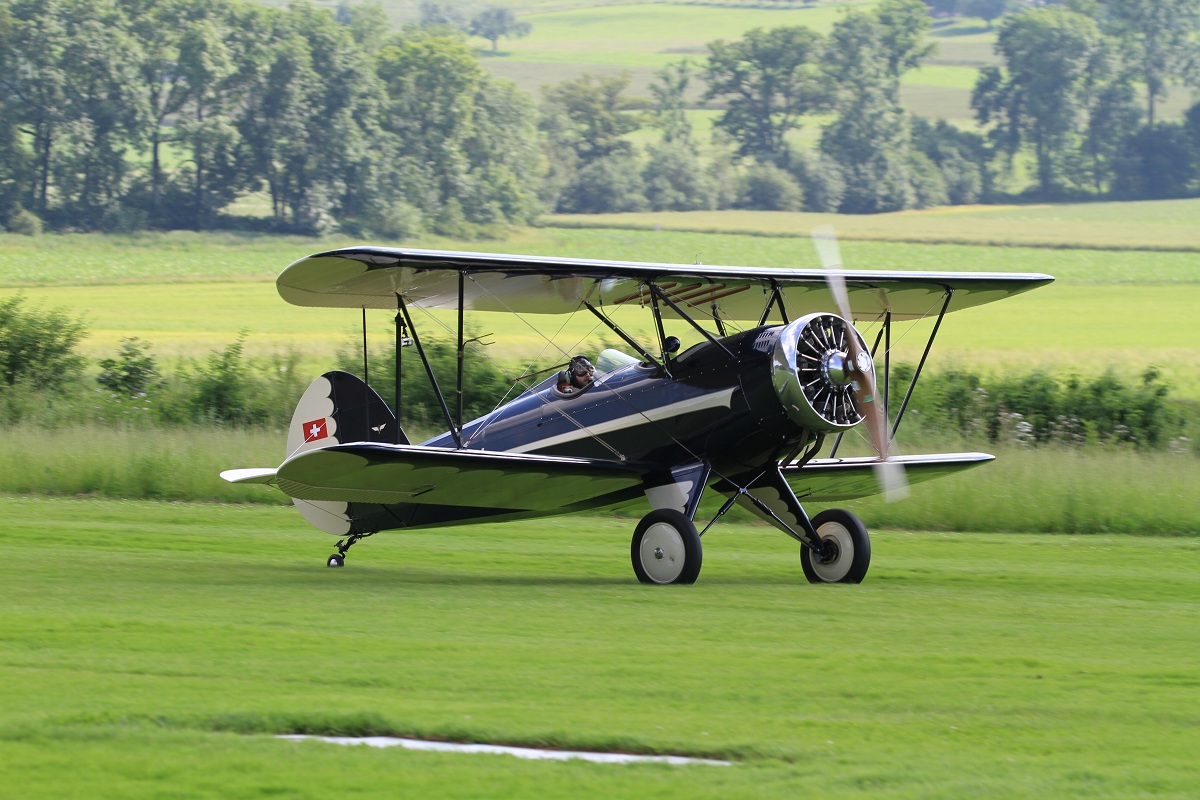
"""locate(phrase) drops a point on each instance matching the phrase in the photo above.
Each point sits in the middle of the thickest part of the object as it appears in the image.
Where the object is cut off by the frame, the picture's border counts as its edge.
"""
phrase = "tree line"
(126, 114)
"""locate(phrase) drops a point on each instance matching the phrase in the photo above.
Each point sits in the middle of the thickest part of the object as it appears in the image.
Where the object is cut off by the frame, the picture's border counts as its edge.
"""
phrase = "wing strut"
(885, 330)
(437, 390)
(663, 296)
(662, 335)
(400, 342)
(928, 345)
(458, 386)
(776, 297)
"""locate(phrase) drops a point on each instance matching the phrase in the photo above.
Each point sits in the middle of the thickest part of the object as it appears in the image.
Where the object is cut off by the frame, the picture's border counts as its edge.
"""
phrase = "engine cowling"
(813, 375)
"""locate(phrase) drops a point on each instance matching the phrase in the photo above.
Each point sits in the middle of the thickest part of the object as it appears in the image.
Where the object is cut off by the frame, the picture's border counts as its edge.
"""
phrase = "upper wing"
(389, 474)
(372, 277)
(827, 479)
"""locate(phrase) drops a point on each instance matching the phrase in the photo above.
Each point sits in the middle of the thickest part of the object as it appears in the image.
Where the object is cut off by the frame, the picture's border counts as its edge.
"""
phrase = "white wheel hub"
(662, 552)
(833, 571)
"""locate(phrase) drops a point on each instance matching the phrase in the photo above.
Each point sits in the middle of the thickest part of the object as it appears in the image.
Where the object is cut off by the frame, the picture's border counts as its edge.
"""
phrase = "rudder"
(338, 408)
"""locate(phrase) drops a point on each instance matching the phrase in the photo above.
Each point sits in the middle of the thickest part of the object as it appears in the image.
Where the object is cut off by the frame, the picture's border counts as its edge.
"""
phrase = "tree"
(769, 80)
(594, 119)
(903, 28)
(1159, 161)
(14, 158)
(986, 10)
(34, 82)
(443, 15)
(106, 114)
(465, 146)
(1050, 56)
(1159, 39)
(871, 140)
(670, 104)
(308, 117)
(497, 21)
(158, 27)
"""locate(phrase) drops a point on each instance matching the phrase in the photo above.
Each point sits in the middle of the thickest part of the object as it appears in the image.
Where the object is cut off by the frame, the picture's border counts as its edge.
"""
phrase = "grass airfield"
(149, 650)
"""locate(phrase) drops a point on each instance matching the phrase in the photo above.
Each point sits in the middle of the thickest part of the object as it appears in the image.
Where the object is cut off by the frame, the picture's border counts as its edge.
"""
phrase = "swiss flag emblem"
(317, 429)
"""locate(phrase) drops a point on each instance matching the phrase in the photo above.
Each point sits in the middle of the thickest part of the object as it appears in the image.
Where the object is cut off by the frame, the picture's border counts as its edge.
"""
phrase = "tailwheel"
(666, 548)
(845, 549)
(338, 559)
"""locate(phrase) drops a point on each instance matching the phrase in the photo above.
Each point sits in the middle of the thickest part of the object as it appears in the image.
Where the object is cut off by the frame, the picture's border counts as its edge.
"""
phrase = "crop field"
(152, 649)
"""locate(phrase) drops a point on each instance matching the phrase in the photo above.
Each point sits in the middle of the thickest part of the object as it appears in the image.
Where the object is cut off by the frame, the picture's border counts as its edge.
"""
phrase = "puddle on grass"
(495, 749)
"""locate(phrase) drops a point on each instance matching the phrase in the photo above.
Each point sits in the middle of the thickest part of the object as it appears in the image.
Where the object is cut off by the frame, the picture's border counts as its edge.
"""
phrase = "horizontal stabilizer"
(252, 475)
(828, 479)
(411, 474)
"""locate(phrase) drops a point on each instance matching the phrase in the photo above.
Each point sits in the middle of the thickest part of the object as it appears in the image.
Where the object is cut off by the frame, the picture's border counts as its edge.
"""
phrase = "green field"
(641, 38)
(1128, 279)
(149, 650)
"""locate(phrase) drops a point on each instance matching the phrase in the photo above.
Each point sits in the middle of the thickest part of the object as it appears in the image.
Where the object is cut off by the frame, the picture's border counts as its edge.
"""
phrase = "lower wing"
(410, 474)
(828, 479)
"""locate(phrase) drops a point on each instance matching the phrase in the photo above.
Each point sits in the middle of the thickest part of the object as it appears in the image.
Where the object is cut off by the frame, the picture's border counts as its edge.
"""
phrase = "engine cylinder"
(813, 373)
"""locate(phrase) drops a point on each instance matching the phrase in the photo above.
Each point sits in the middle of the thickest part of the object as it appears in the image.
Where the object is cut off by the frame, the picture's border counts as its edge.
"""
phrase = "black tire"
(336, 560)
(666, 548)
(853, 549)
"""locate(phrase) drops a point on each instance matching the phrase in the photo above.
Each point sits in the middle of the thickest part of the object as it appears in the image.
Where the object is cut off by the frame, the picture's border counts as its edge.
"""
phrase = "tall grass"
(1054, 490)
(137, 462)
(1090, 490)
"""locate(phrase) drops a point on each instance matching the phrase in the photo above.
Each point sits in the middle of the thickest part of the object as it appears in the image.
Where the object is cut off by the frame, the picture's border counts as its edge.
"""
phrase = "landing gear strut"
(338, 559)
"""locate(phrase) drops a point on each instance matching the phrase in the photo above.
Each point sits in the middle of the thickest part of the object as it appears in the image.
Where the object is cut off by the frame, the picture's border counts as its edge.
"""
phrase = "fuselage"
(718, 405)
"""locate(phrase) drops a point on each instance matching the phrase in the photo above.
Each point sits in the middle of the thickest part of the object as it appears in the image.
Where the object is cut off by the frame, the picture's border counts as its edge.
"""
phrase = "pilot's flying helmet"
(580, 366)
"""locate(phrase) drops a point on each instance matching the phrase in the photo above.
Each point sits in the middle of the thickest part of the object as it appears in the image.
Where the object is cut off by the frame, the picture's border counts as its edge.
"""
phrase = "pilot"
(579, 374)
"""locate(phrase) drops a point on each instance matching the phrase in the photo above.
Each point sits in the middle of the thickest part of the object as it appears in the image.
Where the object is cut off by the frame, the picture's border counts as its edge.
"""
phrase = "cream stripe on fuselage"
(723, 398)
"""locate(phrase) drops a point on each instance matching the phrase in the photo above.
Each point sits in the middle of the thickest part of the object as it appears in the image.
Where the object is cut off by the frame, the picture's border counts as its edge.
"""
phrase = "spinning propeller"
(860, 370)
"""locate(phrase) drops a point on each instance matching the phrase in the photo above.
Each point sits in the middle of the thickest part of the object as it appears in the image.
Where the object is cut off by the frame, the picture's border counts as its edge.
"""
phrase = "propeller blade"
(830, 256)
(890, 474)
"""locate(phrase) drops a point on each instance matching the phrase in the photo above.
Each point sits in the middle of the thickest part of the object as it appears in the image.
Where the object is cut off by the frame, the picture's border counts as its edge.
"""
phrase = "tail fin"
(338, 408)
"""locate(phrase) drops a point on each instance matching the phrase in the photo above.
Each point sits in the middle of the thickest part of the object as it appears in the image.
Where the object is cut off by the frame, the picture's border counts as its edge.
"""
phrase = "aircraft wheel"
(666, 548)
(336, 560)
(849, 549)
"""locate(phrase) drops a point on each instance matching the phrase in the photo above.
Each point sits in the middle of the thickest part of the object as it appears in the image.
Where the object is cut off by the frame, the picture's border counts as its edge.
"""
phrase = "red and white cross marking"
(317, 429)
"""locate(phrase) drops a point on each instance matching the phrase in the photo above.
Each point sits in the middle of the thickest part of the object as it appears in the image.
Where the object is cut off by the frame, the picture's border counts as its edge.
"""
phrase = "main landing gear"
(666, 548)
(845, 549)
(338, 559)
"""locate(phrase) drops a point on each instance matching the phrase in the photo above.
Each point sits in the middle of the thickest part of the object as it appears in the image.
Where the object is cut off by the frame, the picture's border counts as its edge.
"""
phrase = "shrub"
(1038, 408)
(25, 223)
(607, 185)
(675, 180)
(820, 180)
(38, 347)
(133, 372)
(766, 187)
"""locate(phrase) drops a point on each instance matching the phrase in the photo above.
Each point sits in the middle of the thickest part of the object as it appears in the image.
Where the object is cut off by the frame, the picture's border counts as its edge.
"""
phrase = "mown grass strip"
(966, 664)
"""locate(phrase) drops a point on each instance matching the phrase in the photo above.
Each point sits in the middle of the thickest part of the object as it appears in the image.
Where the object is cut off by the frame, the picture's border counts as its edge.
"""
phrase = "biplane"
(778, 369)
